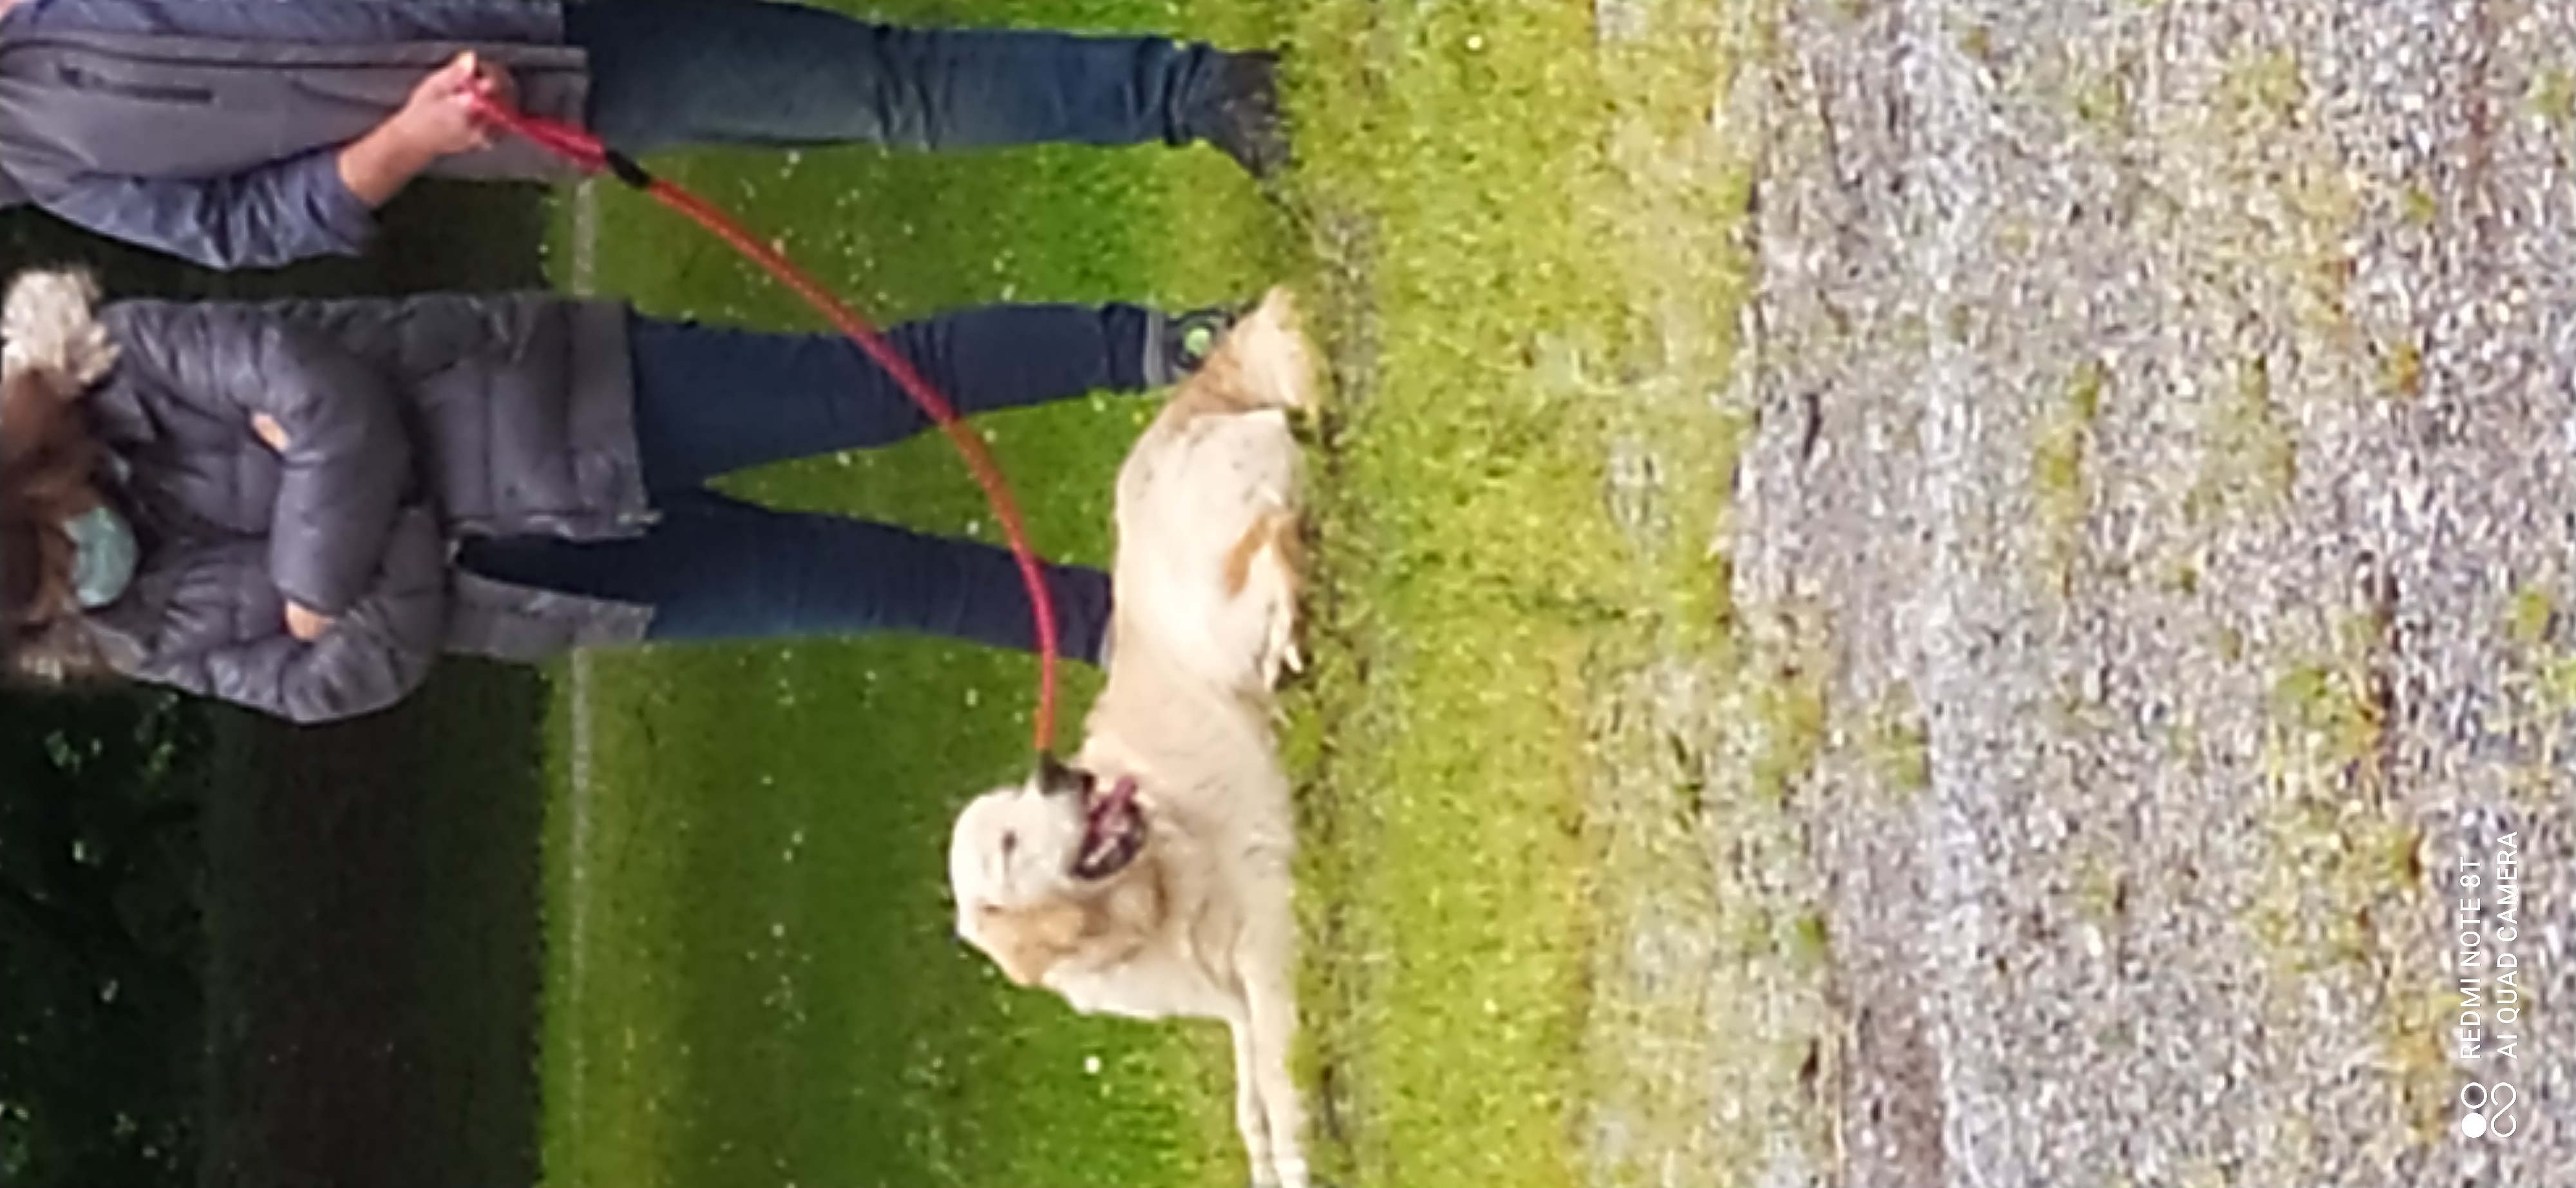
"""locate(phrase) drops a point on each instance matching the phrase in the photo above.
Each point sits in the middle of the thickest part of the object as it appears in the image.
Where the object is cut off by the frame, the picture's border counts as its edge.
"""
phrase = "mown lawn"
(1524, 239)
(751, 978)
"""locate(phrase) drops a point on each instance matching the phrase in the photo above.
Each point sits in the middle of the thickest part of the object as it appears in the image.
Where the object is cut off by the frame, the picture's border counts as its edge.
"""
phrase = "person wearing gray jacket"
(300, 506)
(254, 133)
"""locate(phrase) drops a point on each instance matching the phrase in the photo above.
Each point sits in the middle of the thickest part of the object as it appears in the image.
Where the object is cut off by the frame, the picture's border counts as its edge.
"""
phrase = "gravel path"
(2157, 498)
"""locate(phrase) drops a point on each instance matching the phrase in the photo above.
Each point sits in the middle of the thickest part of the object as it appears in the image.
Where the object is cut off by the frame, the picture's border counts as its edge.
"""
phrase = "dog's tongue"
(1119, 796)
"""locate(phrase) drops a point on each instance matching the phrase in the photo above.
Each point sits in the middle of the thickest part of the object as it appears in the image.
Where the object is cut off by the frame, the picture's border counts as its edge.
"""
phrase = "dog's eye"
(1010, 842)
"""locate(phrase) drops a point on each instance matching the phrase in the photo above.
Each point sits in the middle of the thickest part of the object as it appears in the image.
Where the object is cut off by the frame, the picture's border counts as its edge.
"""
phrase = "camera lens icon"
(2490, 1111)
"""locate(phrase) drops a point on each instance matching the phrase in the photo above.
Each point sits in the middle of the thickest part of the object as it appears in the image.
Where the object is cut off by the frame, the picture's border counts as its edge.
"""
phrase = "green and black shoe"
(1177, 345)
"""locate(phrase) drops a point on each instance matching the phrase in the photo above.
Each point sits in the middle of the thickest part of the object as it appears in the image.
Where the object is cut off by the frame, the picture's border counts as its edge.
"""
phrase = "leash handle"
(587, 152)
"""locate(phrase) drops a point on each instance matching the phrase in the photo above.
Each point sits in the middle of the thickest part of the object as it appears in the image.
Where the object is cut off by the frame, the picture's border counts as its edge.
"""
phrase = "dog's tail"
(1268, 357)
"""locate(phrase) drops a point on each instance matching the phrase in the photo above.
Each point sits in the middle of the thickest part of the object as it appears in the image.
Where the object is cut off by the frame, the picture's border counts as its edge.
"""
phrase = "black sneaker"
(1243, 120)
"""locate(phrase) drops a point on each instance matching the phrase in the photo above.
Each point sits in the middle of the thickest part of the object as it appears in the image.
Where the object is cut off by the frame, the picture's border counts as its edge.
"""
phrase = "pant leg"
(675, 73)
(716, 568)
(713, 400)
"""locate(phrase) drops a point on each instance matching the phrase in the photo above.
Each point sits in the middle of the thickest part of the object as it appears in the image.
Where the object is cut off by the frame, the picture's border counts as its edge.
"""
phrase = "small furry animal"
(1150, 877)
(46, 329)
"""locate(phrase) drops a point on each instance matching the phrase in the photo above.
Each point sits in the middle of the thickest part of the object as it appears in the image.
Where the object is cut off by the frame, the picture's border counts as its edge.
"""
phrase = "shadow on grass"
(373, 942)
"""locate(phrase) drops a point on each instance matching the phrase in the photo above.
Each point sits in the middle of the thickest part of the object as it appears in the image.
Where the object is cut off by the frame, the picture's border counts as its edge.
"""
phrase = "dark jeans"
(711, 400)
(675, 73)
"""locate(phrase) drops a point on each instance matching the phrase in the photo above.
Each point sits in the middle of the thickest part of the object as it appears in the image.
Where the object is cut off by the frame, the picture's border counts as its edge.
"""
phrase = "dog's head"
(1049, 869)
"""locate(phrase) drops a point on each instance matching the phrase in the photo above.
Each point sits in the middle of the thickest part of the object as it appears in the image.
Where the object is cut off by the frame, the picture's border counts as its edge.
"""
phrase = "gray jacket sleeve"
(276, 214)
(348, 457)
(222, 633)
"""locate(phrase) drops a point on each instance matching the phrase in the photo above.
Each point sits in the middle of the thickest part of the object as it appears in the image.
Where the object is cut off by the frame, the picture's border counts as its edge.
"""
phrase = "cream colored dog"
(1150, 878)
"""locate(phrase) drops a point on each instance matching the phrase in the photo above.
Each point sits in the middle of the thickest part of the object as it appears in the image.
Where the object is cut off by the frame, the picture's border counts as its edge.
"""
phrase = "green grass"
(750, 975)
(1466, 536)
(1532, 266)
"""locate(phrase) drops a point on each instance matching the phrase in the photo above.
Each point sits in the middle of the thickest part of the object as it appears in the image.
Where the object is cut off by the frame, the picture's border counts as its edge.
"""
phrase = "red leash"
(585, 150)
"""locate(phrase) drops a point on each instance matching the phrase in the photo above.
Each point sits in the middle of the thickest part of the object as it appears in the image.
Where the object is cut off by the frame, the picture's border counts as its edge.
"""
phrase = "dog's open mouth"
(1113, 830)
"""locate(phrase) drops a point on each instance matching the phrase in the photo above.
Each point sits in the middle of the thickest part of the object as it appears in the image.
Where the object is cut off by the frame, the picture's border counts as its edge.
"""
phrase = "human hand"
(440, 118)
(494, 82)
(269, 432)
(304, 624)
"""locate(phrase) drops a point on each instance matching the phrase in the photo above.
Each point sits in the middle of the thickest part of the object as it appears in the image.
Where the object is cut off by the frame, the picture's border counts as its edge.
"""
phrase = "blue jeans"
(713, 400)
(677, 73)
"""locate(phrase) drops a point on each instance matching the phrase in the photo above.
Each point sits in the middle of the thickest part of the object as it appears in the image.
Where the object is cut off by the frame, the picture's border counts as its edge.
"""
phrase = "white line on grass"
(582, 280)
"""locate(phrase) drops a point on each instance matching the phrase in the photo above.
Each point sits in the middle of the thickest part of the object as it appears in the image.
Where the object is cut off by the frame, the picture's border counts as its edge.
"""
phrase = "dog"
(1150, 876)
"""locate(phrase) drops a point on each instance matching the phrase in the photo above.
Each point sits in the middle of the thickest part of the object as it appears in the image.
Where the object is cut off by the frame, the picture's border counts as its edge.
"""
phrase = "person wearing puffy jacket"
(299, 506)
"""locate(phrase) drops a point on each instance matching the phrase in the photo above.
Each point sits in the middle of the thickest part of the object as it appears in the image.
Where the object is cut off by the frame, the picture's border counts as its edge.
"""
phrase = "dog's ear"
(1027, 942)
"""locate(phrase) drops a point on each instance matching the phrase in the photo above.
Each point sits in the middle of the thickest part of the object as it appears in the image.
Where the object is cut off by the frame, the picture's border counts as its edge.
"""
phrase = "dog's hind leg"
(1265, 1060)
(1250, 1120)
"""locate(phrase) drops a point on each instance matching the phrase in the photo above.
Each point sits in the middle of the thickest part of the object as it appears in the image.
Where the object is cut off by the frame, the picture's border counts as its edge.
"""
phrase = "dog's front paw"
(1282, 657)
